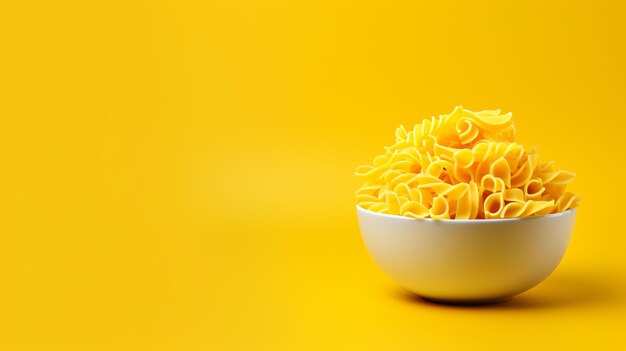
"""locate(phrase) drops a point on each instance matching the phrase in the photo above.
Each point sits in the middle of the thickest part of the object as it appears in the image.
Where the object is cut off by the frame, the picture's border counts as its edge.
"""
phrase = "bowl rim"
(478, 220)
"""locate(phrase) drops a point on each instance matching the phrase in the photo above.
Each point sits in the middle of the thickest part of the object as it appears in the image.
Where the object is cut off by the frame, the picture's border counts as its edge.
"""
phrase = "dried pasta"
(463, 165)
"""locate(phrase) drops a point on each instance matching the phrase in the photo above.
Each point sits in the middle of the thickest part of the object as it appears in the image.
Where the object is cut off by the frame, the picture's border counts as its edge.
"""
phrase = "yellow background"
(178, 175)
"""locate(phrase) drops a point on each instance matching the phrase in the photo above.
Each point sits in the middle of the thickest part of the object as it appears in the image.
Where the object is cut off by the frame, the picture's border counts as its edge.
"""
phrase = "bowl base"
(465, 302)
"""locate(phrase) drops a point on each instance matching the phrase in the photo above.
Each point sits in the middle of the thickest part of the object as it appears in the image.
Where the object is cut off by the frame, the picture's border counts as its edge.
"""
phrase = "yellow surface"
(178, 175)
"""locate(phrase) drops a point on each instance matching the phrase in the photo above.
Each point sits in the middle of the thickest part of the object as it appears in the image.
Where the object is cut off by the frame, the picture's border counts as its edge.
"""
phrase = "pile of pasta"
(463, 165)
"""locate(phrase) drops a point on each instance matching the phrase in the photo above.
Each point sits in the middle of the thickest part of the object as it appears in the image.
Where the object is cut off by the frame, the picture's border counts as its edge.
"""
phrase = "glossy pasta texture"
(464, 165)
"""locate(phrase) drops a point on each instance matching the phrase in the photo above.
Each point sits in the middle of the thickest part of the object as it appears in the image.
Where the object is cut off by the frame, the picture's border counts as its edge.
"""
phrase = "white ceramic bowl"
(467, 261)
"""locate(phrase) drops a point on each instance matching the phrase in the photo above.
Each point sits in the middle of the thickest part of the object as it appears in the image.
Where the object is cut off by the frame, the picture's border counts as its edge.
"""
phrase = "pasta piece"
(440, 208)
(525, 172)
(537, 207)
(491, 184)
(513, 210)
(368, 190)
(513, 195)
(456, 191)
(393, 202)
(414, 209)
(533, 190)
(494, 205)
(402, 189)
(559, 177)
(566, 201)
(378, 207)
(476, 200)
(500, 169)
(464, 205)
